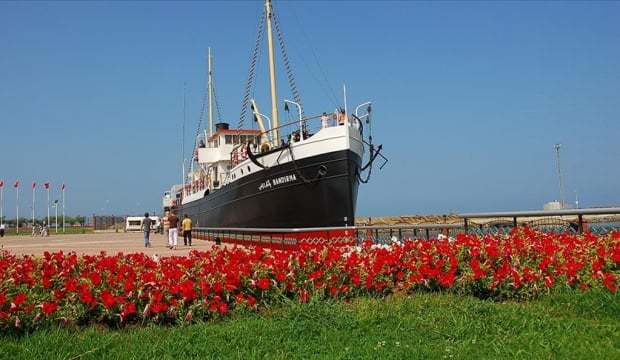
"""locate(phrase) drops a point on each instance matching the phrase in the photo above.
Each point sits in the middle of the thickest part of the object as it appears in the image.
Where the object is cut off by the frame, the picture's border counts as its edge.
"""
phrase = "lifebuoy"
(244, 151)
(235, 156)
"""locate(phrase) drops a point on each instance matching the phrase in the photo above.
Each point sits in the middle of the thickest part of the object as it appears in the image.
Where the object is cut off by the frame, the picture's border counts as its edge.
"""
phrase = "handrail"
(588, 211)
(335, 228)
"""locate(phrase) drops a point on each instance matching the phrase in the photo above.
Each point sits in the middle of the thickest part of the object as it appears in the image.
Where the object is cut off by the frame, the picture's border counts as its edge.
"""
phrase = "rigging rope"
(248, 88)
(203, 105)
(287, 65)
(217, 103)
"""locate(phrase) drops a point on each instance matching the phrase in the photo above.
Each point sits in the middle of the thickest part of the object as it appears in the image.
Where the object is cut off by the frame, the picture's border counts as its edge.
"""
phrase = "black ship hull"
(319, 191)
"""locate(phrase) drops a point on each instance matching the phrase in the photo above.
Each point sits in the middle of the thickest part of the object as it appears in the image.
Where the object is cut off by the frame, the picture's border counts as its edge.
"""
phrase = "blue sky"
(469, 98)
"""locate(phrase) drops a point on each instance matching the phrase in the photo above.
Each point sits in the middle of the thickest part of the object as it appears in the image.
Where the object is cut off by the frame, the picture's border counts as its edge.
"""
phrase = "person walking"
(147, 225)
(165, 224)
(173, 232)
(186, 225)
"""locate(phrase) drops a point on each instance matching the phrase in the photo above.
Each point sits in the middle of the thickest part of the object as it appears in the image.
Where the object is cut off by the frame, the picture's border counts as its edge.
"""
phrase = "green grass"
(436, 326)
(51, 231)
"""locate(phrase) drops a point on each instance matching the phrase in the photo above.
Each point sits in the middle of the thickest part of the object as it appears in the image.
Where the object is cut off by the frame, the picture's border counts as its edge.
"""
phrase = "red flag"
(16, 184)
(34, 184)
(62, 187)
(1, 183)
(46, 185)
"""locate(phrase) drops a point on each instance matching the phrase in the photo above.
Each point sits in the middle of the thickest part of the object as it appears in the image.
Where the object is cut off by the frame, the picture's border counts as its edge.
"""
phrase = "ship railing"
(295, 131)
(286, 238)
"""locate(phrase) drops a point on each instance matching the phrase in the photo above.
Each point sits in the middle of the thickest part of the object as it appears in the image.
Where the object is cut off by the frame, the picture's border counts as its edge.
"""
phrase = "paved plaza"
(94, 243)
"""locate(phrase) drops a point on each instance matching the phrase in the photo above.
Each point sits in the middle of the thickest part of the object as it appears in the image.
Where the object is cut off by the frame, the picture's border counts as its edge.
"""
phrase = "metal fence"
(597, 221)
(593, 220)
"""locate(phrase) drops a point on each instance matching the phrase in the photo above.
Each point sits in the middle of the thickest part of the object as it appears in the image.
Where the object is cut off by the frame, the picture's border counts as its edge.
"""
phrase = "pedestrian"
(324, 120)
(2, 227)
(341, 117)
(44, 230)
(173, 232)
(165, 224)
(147, 225)
(187, 230)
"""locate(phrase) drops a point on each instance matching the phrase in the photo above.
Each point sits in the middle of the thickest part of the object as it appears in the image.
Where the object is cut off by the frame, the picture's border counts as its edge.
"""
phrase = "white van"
(134, 223)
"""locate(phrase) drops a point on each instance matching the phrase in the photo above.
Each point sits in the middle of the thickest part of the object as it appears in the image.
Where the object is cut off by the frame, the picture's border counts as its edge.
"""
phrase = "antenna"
(210, 97)
(183, 141)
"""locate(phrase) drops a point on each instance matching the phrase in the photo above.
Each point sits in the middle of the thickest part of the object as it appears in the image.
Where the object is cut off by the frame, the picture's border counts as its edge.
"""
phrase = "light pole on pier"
(557, 149)
(56, 210)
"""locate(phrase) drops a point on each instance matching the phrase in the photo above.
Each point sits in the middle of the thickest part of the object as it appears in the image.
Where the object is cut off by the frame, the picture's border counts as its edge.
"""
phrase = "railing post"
(428, 236)
(514, 222)
(580, 217)
(465, 224)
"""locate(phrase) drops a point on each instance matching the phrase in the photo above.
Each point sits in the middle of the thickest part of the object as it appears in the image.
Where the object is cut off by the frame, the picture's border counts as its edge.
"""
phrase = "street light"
(301, 131)
(56, 210)
(557, 149)
(270, 136)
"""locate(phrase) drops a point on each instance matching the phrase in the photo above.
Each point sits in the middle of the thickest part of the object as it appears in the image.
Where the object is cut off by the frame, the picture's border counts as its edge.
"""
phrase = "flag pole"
(47, 187)
(63, 208)
(1, 203)
(17, 201)
(34, 185)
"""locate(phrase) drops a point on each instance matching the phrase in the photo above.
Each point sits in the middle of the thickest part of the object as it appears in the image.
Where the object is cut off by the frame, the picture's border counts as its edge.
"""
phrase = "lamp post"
(56, 210)
(576, 200)
(557, 149)
(268, 120)
(301, 131)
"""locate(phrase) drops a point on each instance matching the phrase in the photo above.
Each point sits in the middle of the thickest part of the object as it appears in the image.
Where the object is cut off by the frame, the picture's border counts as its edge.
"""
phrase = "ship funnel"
(221, 126)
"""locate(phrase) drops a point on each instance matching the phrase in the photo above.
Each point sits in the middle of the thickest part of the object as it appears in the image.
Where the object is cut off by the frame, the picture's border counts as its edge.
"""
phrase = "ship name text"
(277, 181)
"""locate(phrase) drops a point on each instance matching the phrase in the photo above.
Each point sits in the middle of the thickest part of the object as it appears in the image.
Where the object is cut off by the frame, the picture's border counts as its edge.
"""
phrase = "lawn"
(562, 324)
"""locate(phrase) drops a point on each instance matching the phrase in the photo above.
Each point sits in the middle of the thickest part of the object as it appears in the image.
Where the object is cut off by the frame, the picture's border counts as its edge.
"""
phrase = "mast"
(210, 98)
(272, 76)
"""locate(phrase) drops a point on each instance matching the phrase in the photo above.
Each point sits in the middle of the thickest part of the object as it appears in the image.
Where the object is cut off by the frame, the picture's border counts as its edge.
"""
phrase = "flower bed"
(134, 288)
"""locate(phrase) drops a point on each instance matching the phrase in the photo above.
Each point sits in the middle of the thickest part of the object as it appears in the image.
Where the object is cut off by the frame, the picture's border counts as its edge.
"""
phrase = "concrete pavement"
(94, 243)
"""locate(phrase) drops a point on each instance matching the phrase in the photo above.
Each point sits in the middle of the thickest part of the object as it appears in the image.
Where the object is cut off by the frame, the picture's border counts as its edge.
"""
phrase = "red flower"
(85, 295)
(222, 307)
(19, 299)
(263, 283)
(280, 276)
(59, 295)
(49, 307)
(304, 295)
(95, 278)
(548, 281)
(609, 280)
(128, 309)
(71, 285)
(107, 299)
(239, 298)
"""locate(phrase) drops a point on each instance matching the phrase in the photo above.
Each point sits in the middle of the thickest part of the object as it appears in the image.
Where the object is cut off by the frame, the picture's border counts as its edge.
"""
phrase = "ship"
(301, 174)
